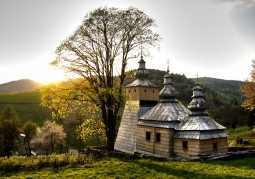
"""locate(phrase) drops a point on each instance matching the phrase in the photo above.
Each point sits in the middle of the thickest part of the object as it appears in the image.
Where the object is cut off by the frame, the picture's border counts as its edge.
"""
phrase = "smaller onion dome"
(168, 91)
(142, 72)
(198, 104)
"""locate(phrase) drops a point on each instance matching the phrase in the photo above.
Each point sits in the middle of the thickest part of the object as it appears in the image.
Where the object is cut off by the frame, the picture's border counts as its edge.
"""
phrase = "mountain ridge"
(19, 86)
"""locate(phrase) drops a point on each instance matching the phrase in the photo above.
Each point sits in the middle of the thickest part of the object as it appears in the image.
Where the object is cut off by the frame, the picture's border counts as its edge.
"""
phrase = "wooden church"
(167, 128)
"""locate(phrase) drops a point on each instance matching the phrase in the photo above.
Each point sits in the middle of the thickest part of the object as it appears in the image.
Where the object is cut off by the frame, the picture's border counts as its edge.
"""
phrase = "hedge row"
(32, 163)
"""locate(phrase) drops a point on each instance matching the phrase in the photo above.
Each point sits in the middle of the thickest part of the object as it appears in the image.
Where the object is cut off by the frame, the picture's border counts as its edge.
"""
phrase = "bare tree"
(107, 38)
(51, 134)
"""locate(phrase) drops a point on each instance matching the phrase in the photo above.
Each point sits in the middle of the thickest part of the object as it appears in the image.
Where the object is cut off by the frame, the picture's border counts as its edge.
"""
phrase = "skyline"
(212, 38)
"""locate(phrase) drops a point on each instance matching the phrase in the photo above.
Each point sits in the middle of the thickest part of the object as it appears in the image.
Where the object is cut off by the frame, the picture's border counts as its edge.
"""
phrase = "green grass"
(244, 132)
(146, 168)
(33, 96)
(27, 106)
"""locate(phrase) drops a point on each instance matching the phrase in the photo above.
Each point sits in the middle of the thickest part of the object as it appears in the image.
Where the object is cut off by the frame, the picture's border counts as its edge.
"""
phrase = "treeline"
(223, 96)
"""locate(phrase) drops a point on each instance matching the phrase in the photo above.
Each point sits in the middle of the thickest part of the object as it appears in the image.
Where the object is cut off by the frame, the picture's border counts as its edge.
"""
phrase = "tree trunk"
(110, 139)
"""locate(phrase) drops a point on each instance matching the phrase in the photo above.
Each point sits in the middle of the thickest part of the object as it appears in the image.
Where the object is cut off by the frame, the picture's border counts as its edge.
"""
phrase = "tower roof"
(198, 119)
(141, 75)
(168, 112)
(168, 92)
(198, 104)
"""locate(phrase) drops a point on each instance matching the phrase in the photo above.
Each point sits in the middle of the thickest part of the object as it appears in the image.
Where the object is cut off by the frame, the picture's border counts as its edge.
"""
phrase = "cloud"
(238, 4)
(243, 16)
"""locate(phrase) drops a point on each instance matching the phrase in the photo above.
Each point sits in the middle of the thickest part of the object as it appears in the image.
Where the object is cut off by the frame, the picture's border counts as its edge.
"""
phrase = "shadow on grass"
(185, 172)
(237, 162)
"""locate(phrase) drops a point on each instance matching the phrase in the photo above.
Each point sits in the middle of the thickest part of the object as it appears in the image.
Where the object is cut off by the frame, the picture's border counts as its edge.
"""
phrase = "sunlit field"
(124, 167)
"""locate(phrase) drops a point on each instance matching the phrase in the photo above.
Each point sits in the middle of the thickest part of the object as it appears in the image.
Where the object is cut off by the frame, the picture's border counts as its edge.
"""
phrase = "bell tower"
(141, 96)
(142, 89)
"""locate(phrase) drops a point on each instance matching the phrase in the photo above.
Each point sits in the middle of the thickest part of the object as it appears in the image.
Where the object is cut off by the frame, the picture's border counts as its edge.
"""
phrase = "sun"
(48, 75)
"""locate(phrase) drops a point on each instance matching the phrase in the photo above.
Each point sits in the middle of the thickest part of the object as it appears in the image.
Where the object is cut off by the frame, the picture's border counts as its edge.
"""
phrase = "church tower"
(141, 96)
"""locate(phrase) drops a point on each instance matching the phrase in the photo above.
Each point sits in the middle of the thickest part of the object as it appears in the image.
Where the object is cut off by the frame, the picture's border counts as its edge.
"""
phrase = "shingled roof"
(168, 112)
(141, 74)
(199, 125)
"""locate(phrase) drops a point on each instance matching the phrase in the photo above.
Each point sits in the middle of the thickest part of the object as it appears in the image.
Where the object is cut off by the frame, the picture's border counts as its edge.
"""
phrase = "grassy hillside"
(27, 106)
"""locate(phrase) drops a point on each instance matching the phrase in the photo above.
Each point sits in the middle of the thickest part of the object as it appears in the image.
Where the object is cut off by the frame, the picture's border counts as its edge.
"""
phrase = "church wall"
(142, 93)
(196, 147)
(192, 149)
(162, 147)
(206, 146)
(141, 142)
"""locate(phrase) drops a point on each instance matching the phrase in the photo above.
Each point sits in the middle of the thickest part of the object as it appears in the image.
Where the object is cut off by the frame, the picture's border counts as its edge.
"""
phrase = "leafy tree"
(106, 40)
(9, 129)
(51, 134)
(30, 130)
(92, 128)
(248, 89)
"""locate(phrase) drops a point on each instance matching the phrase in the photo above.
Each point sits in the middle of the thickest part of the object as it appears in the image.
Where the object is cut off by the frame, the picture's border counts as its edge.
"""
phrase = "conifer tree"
(105, 41)
(9, 130)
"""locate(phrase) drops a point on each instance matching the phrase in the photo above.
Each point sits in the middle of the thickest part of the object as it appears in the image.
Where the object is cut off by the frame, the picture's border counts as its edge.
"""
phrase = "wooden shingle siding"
(126, 138)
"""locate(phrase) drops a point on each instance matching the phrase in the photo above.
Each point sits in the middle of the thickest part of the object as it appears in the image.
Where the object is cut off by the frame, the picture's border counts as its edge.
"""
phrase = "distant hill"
(223, 97)
(19, 86)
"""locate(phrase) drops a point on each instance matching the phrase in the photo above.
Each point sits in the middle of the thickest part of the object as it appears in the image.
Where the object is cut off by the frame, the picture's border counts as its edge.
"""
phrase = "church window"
(215, 147)
(157, 137)
(185, 145)
(148, 136)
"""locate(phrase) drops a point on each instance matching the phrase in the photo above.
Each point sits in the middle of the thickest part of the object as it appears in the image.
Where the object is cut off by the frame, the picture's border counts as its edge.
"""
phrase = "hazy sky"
(214, 38)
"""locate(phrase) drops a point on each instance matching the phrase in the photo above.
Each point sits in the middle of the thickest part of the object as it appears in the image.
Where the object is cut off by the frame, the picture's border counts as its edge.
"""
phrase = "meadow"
(27, 106)
(126, 167)
(246, 133)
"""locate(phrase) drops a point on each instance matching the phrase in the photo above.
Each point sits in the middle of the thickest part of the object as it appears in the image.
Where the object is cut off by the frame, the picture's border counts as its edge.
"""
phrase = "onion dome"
(168, 112)
(168, 92)
(142, 72)
(141, 75)
(198, 104)
(199, 125)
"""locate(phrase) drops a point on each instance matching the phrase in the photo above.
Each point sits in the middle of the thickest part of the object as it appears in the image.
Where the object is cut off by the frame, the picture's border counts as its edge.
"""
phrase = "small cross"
(167, 65)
